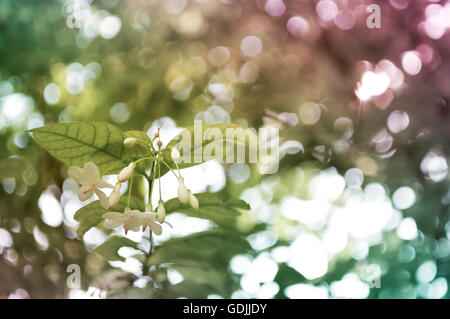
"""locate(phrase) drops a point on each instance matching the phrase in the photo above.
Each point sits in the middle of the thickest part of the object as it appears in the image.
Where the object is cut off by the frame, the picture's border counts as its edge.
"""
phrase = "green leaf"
(202, 259)
(229, 144)
(109, 249)
(91, 215)
(79, 142)
(213, 245)
(223, 214)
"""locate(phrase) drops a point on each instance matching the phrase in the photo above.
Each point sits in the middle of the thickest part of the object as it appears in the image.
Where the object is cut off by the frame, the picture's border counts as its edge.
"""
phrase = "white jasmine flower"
(129, 141)
(183, 193)
(175, 154)
(149, 220)
(161, 212)
(132, 220)
(90, 180)
(126, 172)
(113, 220)
(193, 201)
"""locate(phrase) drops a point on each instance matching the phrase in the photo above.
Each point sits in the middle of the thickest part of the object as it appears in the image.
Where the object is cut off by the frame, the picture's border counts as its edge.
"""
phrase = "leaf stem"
(150, 183)
(144, 158)
(169, 168)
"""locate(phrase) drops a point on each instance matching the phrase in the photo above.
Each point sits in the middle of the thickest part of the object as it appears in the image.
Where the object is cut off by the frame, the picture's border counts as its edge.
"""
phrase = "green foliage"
(77, 143)
(202, 259)
(213, 245)
(161, 69)
(102, 143)
(223, 214)
(109, 249)
(202, 143)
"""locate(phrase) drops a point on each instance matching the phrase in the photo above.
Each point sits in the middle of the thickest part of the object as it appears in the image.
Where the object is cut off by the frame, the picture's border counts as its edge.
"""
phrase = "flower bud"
(126, 172)
(175, 154)
(148, 207)
(161, 212)
(115, 195)
(193, 201)
(129, 141)
(183, 193)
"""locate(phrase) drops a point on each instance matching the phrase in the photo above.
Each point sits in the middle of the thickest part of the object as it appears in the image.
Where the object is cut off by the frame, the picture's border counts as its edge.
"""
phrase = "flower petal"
(193, 201)
(133, 212)
(112, 220)
(149, 215)
(77, 174)
(113, 215)
(175, 154)
(133, 220)
(126, 173)
(114, 198)
(85, 192)
(102, 197)
(161, 212)
(183, 193)
(155, 227)
(90, 170)
(102, 184)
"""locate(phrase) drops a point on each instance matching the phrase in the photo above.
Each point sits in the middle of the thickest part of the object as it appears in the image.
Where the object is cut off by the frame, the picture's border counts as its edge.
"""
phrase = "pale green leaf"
(77, 143)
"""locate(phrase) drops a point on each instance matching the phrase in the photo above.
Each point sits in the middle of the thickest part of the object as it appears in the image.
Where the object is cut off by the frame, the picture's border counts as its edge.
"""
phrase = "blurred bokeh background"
(363, 113)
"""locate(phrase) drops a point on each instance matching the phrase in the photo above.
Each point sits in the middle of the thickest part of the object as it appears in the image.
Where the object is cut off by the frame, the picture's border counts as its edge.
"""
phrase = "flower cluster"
(91, 181)
(134, 220)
